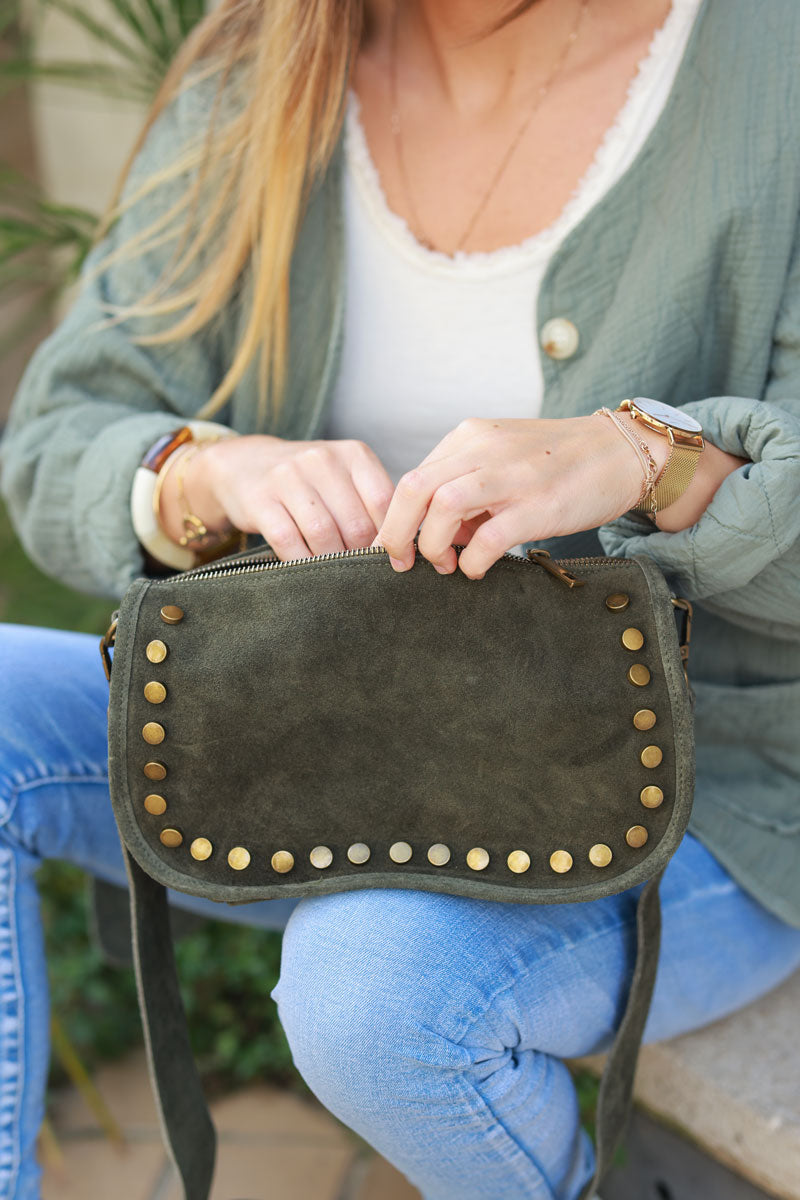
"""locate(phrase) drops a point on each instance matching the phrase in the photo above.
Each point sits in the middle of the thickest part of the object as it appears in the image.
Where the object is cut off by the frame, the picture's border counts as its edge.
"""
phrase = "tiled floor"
(272, 1146)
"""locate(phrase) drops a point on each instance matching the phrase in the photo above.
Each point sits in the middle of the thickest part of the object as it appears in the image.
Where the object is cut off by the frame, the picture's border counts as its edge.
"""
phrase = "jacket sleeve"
(742, 558)
(92, 401)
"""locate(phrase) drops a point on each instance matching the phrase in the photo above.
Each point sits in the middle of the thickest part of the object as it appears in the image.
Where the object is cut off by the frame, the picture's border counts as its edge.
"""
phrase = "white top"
(431, 339)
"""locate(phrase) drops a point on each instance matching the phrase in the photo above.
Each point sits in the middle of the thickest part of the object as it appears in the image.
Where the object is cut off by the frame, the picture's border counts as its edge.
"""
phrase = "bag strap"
(110, 921)
(186, 1124)
(188, 1130)
(616, 1084)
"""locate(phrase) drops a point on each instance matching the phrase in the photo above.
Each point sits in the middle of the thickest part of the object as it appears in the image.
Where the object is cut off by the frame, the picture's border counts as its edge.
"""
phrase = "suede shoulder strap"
(188, 1130)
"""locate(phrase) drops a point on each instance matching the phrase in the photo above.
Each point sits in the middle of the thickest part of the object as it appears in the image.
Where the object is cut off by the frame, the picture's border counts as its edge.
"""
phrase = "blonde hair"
(297, 57)
(290, 63)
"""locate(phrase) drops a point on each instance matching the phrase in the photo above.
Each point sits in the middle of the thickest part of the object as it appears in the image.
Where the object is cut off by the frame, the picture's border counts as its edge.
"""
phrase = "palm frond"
(131, 44)
(99, 31)
(32, 228)
(101, 78)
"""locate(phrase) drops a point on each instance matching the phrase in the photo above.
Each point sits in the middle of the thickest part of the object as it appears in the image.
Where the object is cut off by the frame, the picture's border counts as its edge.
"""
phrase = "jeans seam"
(527, 1156)
(13, 790)
(12, 1037)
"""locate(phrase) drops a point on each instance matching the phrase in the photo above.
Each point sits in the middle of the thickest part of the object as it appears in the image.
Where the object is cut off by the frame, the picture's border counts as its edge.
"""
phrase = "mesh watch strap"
(673, 481)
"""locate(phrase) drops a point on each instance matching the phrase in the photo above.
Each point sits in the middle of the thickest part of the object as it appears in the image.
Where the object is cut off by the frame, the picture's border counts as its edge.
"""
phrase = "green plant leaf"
(110, 81)
(102, 33)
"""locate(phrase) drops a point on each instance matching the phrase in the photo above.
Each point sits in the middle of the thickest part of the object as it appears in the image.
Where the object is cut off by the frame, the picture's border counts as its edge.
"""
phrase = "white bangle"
(145, 523)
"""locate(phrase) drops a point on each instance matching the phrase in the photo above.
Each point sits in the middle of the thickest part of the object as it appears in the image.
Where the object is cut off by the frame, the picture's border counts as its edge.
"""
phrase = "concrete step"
(733, 1088)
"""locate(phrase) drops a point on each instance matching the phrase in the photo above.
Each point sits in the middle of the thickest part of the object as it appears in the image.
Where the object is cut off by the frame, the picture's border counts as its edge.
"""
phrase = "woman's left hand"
(492, 484)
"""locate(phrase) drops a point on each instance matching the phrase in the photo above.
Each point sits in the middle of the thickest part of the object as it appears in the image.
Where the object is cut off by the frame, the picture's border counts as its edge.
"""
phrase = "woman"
(615, 184)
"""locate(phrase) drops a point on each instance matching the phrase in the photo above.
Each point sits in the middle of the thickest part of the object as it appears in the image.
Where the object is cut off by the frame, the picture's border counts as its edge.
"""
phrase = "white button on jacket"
(559, 338)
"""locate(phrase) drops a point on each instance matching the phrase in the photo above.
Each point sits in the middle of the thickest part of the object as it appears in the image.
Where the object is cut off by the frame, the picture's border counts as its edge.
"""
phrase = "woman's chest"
(506, 174)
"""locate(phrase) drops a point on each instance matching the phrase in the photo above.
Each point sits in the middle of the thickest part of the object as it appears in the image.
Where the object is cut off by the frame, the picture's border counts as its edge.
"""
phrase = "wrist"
(188, 488)
(713, 469)
(148, 482)
(636, 469)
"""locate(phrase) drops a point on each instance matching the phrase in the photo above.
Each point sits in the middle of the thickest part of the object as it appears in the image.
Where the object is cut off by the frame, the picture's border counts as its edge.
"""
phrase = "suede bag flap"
(287, 729)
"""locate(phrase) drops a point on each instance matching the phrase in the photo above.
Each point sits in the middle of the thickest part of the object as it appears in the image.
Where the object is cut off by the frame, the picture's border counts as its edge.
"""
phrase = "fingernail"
(397, 564)
(442, 570)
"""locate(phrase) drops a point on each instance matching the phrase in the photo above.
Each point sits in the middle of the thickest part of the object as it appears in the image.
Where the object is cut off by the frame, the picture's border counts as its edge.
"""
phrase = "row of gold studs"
(438, 855)
(651, 756)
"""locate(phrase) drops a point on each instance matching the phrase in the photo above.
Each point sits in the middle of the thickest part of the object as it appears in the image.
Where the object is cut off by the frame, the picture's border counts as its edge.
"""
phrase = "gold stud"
(239, 858)
(632, 639)
(155, 770)
(153, 733)
(358, 853)
(155, 692)
(478, 859)
(171, 837)
(518, 862)
(617, 602)
(644, 719)
(156, 651)
(636, 836)
(400, 852)
(561, 861)
(651, 756)
(639, 674)
(201, 849)
(321, 857)
(439, 854)
(600, 855)
(651, 797)
(155, 805)
(282, 861)
(171, 614)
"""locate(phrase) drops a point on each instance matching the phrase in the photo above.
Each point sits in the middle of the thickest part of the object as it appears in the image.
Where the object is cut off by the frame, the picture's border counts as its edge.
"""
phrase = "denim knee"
(53, 747)
(365, 1009)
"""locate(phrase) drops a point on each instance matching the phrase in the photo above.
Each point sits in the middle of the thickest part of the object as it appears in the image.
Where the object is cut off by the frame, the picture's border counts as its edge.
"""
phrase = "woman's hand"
(302, 497)
(492, 484)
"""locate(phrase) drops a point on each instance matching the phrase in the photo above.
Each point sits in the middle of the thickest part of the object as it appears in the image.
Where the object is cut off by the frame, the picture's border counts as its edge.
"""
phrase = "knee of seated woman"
(375, 974)
(408, 980)
(53, 745)
(53, 697)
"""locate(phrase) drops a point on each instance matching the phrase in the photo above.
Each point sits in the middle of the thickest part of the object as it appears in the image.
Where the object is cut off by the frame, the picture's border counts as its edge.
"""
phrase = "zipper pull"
(542, 558)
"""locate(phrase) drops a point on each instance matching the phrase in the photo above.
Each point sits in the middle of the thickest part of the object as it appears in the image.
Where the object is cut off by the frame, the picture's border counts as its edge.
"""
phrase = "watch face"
(668, 414)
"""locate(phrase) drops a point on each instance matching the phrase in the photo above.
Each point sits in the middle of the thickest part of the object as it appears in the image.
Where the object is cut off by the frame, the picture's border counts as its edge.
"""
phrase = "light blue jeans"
(433, 1025)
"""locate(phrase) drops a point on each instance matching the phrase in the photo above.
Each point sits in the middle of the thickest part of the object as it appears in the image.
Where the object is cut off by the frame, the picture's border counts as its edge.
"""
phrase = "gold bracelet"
(196, 535)
(163, 471)
(195, 531)
(643, 453)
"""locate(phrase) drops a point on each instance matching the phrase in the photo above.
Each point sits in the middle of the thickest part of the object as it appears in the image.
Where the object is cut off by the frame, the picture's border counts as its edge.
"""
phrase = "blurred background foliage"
(130, 44)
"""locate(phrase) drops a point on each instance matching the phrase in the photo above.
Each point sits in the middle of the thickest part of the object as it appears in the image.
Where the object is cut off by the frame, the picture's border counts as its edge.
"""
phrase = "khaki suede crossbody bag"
(295, 728)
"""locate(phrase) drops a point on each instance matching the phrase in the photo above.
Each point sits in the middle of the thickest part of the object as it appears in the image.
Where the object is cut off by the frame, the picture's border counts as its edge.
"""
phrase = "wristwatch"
(685, 436)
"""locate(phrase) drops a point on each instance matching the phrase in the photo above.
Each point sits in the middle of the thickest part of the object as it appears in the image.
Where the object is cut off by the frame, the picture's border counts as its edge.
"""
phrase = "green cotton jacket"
(684, 284)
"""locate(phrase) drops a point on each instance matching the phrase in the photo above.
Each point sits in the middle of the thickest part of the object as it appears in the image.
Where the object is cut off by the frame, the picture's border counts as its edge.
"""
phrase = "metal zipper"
(251, 566)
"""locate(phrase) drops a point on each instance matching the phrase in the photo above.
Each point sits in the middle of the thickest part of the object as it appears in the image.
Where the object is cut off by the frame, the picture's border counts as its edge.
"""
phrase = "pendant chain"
(397, 133)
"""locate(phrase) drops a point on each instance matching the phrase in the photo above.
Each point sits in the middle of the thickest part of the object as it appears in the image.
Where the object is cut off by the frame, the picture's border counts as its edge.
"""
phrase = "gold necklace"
(397, 133)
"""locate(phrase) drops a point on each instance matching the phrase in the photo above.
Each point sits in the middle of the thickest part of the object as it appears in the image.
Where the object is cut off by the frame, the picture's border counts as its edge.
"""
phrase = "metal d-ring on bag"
(294, 728)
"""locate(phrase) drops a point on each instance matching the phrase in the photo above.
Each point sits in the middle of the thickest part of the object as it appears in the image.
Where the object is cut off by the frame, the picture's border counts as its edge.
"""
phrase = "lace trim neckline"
(590, 188)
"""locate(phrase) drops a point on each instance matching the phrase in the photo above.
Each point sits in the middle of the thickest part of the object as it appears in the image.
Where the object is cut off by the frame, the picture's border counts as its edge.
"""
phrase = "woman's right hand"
(303, 498)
